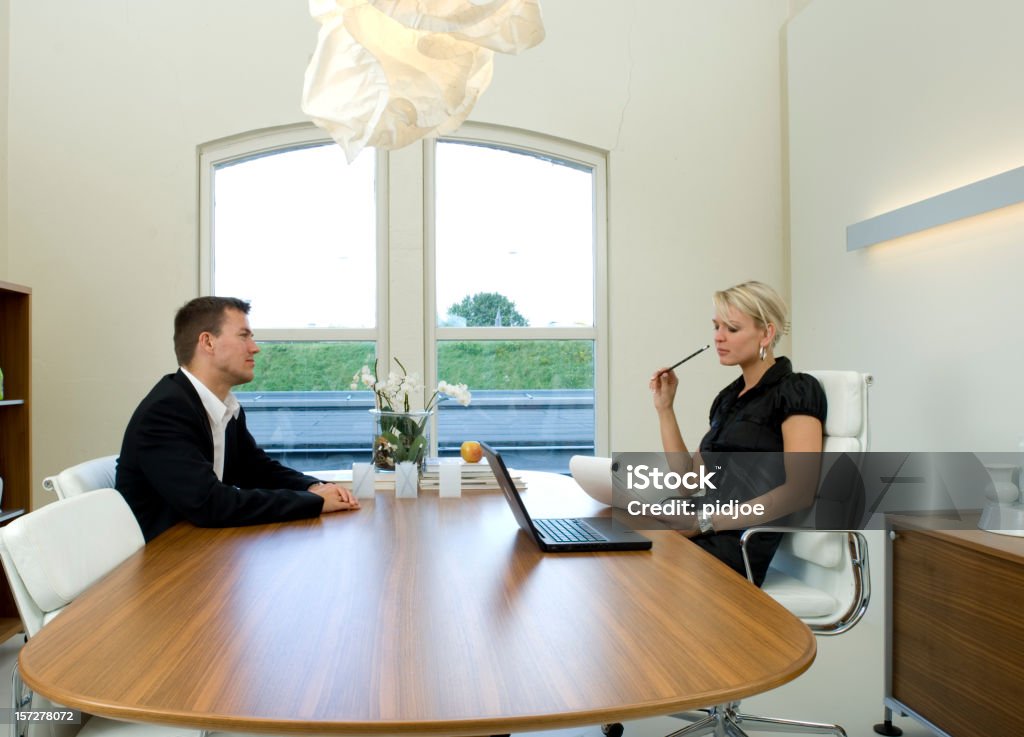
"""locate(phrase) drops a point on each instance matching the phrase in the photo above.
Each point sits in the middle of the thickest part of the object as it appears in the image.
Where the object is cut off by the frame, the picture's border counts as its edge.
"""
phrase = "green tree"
(485, 309)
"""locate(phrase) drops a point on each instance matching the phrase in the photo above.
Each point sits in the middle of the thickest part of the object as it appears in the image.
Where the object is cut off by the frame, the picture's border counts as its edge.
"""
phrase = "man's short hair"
(198, 316)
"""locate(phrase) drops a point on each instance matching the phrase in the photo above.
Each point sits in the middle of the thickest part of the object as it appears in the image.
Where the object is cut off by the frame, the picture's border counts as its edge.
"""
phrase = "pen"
(680, 363)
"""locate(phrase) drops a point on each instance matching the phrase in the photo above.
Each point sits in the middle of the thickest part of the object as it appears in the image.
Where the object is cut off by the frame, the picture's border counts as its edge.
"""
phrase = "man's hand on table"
(336, 498)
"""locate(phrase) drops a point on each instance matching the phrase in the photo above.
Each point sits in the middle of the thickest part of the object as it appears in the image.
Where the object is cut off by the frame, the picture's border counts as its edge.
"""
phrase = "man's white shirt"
(220, 414)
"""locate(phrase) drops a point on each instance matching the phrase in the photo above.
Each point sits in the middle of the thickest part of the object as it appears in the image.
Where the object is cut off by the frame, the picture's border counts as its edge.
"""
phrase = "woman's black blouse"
(753, 422)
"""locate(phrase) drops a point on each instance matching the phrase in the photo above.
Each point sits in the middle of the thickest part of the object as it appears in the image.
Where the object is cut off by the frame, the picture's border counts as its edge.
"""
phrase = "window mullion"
(430, 370)
(406, 260)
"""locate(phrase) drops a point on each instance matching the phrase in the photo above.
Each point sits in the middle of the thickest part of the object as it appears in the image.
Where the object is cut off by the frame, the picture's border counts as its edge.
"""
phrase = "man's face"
(234, 350)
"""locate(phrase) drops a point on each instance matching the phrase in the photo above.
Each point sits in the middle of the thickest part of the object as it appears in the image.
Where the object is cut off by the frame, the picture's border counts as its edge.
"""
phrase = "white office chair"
(820, 576)
(51, 556)
(98, 473)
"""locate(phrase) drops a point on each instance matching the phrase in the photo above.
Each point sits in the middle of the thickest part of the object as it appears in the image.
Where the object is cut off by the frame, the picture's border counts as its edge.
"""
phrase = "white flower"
(458, 392)
(396, 392)
(411, 384)
(366, 377)
(393, 385)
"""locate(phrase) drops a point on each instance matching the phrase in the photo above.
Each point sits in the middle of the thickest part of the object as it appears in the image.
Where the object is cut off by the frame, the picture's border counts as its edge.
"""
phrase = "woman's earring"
(763, 352)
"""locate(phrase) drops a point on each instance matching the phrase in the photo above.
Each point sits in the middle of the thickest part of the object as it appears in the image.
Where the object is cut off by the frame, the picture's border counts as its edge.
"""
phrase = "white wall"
(109, 101)
(891, 103)
(5, 8)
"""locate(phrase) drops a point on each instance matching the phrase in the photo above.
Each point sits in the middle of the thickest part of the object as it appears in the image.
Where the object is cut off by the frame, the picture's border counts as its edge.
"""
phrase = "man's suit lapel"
(197, 405)
(230, 446)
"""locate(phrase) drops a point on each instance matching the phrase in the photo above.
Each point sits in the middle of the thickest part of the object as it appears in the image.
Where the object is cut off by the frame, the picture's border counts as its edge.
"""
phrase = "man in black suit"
(187, 454)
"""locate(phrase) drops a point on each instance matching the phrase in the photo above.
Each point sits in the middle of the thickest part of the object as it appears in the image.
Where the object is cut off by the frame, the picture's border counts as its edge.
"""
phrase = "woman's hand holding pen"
(663, 387)
(664, 382)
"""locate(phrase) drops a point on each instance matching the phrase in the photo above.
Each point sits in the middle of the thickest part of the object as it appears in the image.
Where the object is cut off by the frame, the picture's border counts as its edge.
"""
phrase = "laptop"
(564, 535)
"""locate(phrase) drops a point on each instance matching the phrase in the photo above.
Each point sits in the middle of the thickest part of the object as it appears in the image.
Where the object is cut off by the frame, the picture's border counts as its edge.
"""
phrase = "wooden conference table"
(412, 617)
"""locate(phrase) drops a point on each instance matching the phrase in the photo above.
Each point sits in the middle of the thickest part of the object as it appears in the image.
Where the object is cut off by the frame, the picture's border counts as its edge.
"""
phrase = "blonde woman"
(768, 408)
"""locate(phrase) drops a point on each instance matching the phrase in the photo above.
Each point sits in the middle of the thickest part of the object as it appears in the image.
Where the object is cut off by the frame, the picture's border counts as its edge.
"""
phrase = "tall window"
(503, 233)
(515, 262)
(291, 227)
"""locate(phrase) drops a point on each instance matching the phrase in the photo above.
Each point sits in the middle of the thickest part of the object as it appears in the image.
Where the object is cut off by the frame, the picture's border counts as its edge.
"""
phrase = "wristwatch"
(704, 523)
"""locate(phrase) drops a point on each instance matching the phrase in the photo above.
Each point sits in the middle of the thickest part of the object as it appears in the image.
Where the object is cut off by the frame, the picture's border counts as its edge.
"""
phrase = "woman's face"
(738, 339)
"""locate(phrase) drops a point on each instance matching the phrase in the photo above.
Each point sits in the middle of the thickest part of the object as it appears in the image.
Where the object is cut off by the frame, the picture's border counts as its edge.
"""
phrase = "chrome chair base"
(21, 698)
(725, 721)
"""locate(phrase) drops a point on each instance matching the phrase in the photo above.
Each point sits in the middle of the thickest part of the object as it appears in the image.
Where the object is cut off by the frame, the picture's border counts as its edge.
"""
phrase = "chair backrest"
(99, 473)
(55, 553)
(846, 424)
(823, 576)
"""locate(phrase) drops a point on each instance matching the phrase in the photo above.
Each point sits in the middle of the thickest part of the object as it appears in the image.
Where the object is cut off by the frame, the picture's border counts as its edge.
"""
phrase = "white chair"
(98, 473)
(51, 556)
(820, 576)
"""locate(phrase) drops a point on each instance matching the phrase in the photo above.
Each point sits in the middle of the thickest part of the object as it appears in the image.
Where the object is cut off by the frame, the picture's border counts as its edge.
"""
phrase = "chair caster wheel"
(615, 729)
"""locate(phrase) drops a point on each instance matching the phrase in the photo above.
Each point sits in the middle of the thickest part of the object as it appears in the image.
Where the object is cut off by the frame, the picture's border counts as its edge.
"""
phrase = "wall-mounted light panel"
(964, 202)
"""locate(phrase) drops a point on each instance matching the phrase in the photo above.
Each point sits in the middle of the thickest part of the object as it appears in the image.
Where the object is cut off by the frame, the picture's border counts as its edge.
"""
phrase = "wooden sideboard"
(956, 627)
(15, 424)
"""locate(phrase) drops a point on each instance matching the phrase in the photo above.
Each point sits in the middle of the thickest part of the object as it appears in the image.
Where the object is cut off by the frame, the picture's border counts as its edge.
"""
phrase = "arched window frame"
(405, 198)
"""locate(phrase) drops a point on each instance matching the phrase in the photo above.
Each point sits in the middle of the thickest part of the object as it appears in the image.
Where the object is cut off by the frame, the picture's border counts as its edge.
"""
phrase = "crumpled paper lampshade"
(386, 73)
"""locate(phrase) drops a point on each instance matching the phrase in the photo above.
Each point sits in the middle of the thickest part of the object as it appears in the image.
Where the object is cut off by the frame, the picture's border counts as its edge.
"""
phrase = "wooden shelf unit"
(15, 423)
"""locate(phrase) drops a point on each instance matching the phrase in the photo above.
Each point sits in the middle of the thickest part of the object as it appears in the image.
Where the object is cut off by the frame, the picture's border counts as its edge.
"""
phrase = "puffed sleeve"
(801, 394)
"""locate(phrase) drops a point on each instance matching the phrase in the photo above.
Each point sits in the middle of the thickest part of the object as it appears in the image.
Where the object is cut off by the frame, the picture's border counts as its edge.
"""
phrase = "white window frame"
(406, 240)
(546, 147)
(268, 141)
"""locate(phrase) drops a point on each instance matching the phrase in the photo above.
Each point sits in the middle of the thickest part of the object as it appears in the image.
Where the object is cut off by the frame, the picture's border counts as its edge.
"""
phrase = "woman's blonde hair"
(759, 301)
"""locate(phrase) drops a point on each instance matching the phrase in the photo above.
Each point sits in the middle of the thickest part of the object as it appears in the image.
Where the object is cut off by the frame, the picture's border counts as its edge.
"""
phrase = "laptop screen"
(508, 488)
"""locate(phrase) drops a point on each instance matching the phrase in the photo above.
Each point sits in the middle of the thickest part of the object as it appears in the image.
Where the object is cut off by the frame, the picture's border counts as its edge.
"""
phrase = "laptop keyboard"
(568, 531)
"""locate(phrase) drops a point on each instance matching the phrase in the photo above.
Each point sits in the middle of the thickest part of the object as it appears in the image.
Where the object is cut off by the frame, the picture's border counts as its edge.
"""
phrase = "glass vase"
(400, 436)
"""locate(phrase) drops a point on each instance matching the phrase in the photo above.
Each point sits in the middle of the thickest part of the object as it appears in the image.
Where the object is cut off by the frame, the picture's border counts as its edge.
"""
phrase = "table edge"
(461, 728)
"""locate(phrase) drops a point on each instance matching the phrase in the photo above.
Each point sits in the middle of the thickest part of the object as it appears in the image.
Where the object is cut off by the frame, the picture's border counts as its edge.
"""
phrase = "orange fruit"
(471, 451)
